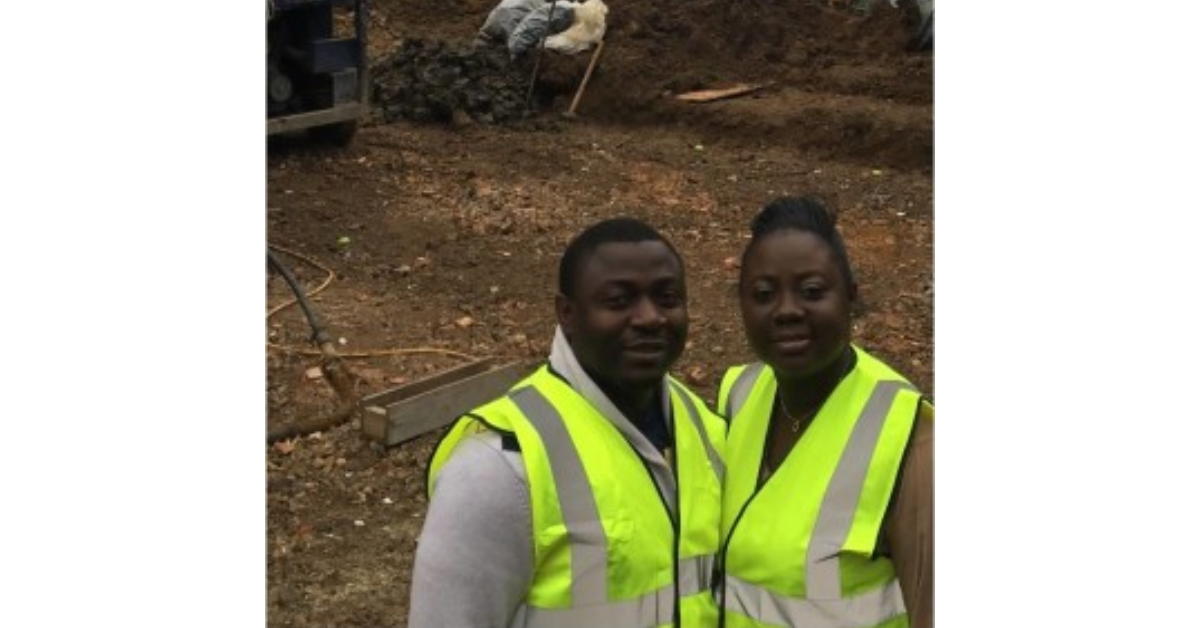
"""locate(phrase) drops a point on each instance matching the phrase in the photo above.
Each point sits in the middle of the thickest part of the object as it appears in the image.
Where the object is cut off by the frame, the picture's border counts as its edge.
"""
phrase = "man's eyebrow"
(675, 279)
(616, 283)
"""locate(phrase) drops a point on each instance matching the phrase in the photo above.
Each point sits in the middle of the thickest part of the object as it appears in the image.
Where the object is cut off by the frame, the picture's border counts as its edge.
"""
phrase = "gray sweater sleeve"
(474, 561)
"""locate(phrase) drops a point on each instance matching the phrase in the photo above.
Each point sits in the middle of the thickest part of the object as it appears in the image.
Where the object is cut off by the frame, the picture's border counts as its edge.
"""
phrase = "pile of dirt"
(428, 80)
(653, 48)
(824, 64)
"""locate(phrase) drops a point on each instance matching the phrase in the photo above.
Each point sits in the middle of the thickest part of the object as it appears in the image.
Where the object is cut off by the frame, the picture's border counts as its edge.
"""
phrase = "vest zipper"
(676, 523)
(724, 550)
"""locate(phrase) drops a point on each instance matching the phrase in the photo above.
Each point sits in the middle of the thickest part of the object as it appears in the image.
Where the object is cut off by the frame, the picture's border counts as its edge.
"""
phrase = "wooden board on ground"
(709, 95)
(408, 411)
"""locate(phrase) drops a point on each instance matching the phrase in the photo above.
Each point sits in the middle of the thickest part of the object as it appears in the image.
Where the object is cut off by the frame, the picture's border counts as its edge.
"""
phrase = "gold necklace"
(766, 469)
(808, 414)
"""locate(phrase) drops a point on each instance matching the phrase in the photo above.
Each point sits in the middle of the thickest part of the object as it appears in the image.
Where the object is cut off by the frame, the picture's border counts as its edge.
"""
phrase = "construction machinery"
(923, 37)
(919, 12)
(317, 76)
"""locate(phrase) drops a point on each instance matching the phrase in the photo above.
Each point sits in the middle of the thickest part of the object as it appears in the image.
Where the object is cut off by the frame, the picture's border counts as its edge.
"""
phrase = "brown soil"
(442, 239)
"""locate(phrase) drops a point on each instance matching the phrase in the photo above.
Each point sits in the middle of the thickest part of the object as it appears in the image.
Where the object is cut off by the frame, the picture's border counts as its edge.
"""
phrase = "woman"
(827, 515)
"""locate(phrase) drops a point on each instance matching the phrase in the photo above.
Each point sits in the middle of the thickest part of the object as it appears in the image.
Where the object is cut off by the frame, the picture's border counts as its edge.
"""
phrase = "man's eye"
(812, 292)
(762, 294)
(616, 301)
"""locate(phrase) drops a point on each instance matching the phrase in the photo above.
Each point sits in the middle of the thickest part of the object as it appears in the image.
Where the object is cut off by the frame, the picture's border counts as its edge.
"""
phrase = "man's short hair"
(621, 229)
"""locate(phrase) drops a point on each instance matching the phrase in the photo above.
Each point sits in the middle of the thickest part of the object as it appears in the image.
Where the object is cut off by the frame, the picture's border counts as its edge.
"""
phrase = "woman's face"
(795, 302)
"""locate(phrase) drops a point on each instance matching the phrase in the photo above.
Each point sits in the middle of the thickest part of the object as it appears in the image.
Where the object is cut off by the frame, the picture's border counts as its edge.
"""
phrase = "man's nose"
(647, 312)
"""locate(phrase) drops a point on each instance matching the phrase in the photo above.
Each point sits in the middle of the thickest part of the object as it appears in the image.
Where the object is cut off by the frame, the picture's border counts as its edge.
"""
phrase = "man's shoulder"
(498, 412)
(486, 453)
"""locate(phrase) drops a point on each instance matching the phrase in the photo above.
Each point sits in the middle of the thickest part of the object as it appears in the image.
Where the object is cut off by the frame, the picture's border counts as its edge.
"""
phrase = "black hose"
(338, 376)
(320, 336)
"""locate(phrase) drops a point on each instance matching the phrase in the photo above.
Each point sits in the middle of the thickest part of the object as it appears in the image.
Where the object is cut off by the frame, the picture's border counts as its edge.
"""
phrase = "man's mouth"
(791, 344)
(646, 349)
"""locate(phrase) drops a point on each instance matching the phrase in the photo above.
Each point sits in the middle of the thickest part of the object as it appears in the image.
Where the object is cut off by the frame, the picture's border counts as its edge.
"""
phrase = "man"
(589, 494)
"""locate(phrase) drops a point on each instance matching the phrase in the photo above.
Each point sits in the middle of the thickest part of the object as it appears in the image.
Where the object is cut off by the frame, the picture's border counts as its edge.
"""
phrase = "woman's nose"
(790, 307)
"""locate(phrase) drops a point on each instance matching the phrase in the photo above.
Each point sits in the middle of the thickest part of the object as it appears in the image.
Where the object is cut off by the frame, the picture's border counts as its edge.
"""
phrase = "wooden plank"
(411, 416)
(709, 95)
(440, 378)
(375, 416)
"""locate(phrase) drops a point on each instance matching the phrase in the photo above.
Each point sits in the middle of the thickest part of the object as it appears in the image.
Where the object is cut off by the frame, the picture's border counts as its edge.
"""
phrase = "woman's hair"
(803, 213)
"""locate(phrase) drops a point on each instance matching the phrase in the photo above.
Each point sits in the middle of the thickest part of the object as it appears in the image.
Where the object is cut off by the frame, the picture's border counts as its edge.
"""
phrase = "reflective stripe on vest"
(652, 609)
(718, 465)
(868, 609)
(588, 543)
(823, 579)
(740, 390)
(589, 546)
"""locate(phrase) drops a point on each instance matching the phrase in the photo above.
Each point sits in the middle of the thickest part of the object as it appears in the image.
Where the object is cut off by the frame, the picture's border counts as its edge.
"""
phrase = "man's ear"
(564, 308)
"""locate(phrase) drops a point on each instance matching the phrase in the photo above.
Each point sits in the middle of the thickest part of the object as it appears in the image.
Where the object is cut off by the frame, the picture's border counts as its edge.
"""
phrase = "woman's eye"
(670, 299)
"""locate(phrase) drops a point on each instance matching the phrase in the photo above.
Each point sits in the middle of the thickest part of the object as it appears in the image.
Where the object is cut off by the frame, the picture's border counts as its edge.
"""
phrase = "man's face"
(627, 322)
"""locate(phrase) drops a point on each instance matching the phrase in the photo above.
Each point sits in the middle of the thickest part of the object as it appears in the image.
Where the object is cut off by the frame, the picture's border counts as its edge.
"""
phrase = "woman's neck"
(803, 395)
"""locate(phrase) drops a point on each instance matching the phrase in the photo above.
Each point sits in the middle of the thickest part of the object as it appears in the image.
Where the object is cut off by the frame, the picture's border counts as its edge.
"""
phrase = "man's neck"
(642, 408)
(634, 404)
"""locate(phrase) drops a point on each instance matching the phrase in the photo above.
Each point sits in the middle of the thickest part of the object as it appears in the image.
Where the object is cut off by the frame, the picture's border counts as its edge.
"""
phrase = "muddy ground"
(431, 242)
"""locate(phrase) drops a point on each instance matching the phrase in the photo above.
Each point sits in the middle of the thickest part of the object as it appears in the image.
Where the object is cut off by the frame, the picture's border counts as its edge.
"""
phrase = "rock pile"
(439, 81)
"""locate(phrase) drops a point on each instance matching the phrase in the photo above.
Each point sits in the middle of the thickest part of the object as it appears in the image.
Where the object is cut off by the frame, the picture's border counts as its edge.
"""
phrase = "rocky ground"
(432, 238)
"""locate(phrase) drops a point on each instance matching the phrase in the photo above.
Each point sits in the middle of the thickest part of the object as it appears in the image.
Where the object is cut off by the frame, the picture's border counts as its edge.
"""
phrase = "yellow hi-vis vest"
(801, 550)
(607, 551)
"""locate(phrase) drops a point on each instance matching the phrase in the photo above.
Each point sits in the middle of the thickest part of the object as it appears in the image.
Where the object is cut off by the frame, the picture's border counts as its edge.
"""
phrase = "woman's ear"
(858, 307)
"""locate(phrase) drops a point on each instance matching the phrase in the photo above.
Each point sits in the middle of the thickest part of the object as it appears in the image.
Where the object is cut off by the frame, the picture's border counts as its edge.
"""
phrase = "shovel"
(587, 75)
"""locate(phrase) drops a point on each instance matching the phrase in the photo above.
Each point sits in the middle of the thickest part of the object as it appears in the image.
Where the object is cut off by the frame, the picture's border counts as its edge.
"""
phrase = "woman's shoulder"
(879, 367)
(732, 371)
